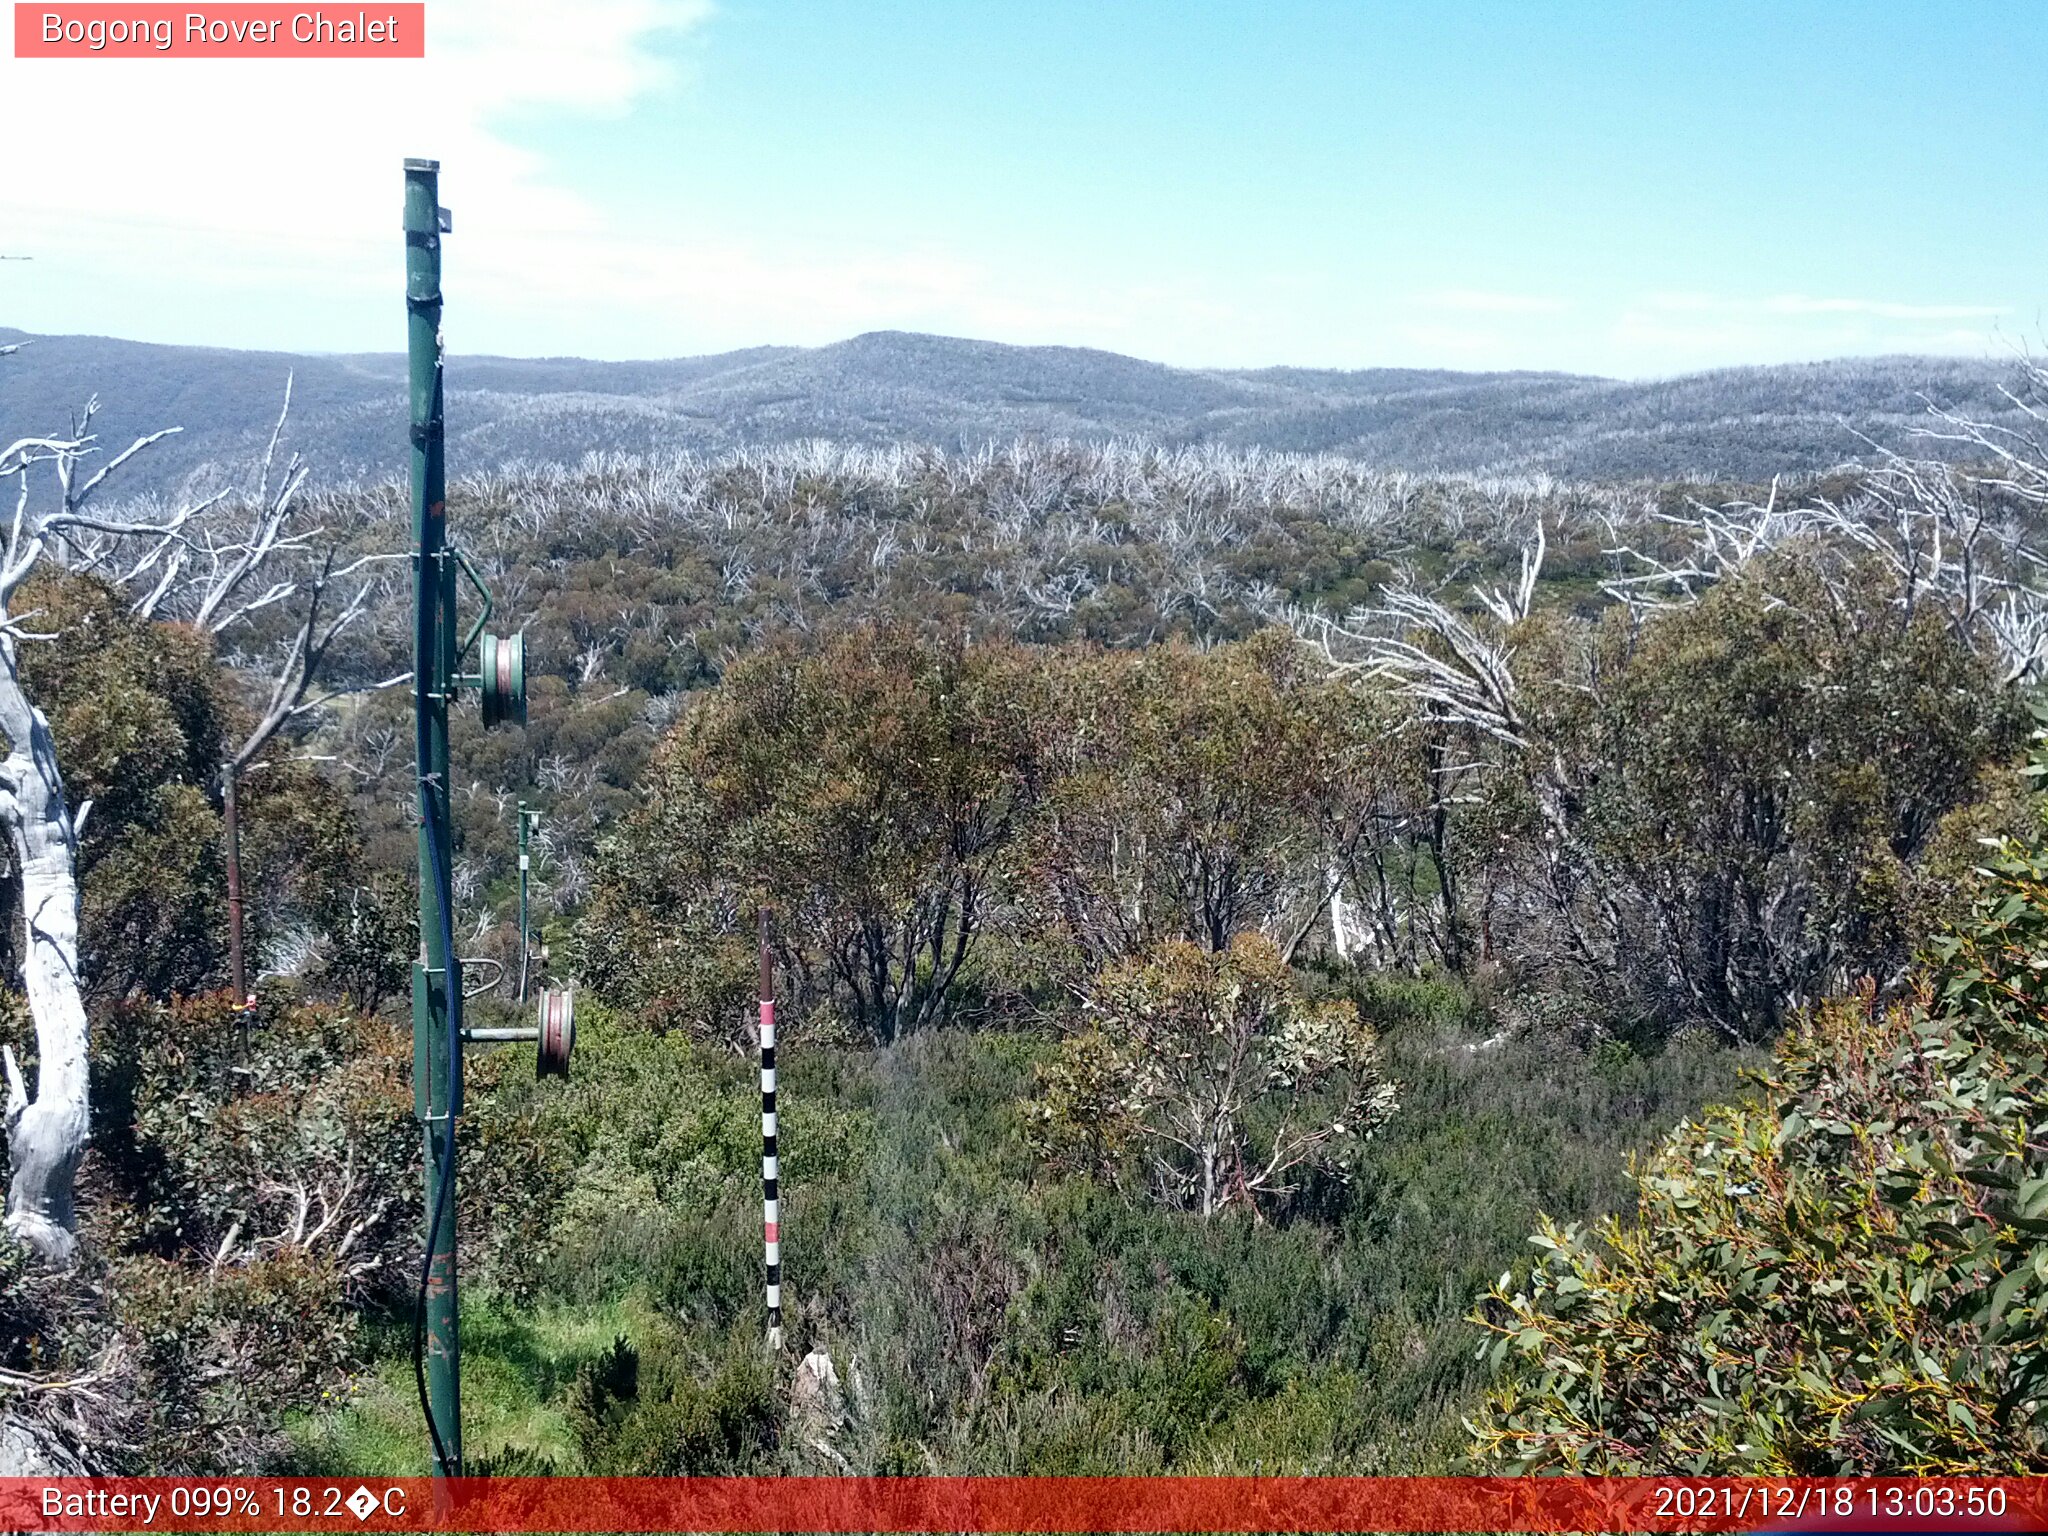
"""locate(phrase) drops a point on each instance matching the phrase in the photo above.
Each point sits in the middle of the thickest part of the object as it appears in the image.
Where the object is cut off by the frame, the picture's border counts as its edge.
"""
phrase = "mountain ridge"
(1745, 423)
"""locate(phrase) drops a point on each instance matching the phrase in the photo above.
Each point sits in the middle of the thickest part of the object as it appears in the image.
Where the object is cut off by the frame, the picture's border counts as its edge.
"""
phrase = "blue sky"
(1634, 189)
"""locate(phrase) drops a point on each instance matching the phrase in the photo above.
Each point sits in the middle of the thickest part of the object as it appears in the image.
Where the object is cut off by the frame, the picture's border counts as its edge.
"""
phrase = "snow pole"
(771, 1222)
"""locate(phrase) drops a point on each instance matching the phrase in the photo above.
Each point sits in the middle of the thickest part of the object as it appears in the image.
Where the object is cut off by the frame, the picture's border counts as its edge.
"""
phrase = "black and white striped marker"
(771, 1222)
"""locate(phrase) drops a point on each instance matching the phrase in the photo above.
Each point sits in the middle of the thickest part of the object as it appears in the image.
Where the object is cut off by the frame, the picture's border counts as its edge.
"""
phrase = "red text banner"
(231, 31)
(991, 1504)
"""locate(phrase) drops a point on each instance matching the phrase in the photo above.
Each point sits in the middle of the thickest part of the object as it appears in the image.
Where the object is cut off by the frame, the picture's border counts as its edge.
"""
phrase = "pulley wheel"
(557, 1032)
(504, 680)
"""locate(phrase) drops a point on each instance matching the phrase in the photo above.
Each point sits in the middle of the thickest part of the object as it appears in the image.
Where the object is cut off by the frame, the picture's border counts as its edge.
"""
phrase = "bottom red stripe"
(920, 1504)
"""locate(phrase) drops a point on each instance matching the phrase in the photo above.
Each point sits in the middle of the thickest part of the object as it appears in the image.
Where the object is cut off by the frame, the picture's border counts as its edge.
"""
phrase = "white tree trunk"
(1340, 928)
(47, 1136)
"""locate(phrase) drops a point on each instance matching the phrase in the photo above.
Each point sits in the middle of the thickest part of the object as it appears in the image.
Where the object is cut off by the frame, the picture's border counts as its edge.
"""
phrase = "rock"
(28, 1449)
(816, 1397)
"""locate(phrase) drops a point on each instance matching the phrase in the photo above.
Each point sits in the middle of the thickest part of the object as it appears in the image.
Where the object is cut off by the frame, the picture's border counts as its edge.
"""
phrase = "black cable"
(425, 639)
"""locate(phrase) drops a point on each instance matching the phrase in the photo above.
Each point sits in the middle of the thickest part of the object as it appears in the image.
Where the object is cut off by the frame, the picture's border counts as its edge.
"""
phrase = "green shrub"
(871, 791)
(1743, 788)
(222, 1355)
(308, 1146)
(244, 1210)
(1848, 1276)
(641, 1172)
(651, 1415)
(1212, 1071)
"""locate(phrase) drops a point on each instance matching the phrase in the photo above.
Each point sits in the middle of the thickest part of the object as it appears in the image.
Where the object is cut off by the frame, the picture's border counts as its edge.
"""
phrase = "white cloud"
(1486, 302)
(1457, 344)
(299, 154)
(591, 57)
(252, 203)
(191, 179)
(1801, 304)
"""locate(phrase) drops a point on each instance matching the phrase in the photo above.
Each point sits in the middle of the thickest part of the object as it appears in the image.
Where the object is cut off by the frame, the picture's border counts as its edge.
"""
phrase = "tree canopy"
(1842, 1273)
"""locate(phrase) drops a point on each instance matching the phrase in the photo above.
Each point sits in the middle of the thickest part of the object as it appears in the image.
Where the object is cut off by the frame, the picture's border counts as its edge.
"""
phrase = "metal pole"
(524, 932)
(231, 832)
(771, 1214)
(437, 989)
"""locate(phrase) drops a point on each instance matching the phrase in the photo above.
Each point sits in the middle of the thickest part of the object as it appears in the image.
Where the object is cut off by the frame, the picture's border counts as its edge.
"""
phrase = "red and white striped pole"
(771, 1224)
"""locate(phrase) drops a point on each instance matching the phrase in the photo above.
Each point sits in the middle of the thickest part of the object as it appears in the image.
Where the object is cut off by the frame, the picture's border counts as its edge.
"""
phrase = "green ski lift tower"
(439, 656)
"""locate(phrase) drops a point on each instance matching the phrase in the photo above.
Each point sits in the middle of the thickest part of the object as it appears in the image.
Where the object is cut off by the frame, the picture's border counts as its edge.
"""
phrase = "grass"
(517, 1365)
(1004, 1322)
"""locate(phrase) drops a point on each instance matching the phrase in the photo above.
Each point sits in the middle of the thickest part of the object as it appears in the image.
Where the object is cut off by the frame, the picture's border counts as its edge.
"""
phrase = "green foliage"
(947, 828)
(1848, 1276)
(372, 938)
(49, 1320)
(1194, 794)
(1748, 784)
(242, 1217)
(238, 1214)
(141, 714)
(983, 1317)
(1213, 1070)
(1715, 814)
(302, 864)
(645, 1165)
(520, 1360)
(871, 792)
(958, 831)
(605, 1393)
(220, 1356)
(652, 1415)
(307, 1147)
(138, 725)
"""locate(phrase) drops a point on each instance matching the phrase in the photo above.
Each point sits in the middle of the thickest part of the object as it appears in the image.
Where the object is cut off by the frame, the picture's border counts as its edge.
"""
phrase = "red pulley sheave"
(557, 1032)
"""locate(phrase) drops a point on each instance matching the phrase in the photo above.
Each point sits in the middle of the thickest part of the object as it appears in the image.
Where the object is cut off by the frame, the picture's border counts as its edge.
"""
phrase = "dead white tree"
(185, 561)
(1958, 538)
(46, 1133)
(293, 694)
(1456, 674)
(325, 1218)
(223, 573)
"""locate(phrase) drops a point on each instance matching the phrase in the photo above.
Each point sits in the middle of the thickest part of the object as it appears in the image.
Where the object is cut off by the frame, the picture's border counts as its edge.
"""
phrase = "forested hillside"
(1224, 902)
(890, 388)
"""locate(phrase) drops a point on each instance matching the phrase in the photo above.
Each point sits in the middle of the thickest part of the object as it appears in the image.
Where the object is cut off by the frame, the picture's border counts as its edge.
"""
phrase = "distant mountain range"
(890, 386)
